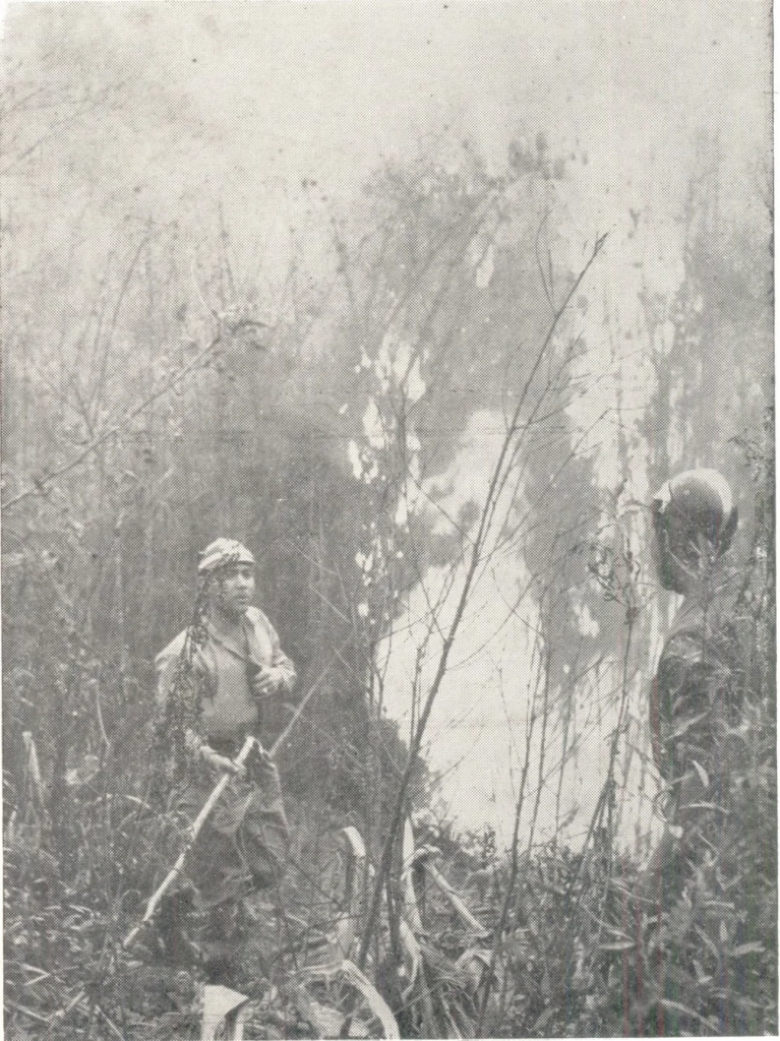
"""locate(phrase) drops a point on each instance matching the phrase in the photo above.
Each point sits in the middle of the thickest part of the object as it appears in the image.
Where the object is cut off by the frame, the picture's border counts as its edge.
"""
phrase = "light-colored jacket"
(230, 706)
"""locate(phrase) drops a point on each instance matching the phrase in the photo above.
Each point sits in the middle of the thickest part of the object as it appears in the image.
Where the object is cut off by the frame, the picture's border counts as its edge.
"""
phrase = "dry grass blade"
(327, 1022)
(676, 1006)
(218, 1003)
(412, 948)
(376, 1002)
(455, 900)
(350, 974)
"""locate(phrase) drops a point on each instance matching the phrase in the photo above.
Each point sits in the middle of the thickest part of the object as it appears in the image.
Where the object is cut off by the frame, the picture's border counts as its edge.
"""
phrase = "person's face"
(235, 589)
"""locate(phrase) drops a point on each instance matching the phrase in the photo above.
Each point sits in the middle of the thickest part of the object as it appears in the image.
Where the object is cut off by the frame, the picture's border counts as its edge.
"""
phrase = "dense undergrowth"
(314, 434)
(557, 944)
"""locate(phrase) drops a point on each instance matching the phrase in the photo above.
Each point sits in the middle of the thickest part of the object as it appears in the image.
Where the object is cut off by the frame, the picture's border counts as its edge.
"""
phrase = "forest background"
(422, 308)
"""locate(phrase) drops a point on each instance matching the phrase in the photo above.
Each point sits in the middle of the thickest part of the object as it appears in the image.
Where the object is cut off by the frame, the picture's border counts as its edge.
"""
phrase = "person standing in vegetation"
(696, 691)
(213, 680)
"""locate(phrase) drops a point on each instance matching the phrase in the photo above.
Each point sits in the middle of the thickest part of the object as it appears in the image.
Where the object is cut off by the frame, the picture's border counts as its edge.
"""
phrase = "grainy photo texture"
(388, 558)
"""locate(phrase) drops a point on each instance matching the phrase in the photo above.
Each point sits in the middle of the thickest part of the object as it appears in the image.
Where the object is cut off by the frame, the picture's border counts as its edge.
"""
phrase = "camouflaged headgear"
(222, 553)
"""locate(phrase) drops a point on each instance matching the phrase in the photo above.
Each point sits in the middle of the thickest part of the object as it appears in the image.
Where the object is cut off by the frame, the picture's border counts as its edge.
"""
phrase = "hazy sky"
(235, 105)
(325, 89)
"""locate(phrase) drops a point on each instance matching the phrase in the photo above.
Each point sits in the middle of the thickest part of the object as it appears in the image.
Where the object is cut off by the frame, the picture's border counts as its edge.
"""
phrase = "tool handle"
(194, 831)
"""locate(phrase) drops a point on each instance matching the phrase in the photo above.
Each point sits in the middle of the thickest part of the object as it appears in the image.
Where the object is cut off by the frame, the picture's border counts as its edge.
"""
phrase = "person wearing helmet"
(213, 680)
(695, 692)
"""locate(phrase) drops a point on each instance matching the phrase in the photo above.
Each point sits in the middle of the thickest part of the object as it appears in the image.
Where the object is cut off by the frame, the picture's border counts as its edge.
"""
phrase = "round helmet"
(221, 553)
(692, 505)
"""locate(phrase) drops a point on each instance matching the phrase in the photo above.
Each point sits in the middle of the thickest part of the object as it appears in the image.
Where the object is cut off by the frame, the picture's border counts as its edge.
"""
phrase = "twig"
(101, 380)
(513, 869)
(304, 701)
(497, 481)
(111, 1025)
(26, 1011)
(117, 428)
(34, 768)
(63, 1013)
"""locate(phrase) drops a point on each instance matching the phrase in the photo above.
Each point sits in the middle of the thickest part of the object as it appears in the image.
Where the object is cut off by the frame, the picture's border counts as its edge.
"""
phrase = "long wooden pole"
(208, 806)
(193, 832)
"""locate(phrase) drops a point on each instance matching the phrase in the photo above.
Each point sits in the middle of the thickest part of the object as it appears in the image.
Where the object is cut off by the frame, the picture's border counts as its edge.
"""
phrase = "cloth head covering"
(221, 553)
(697, 501)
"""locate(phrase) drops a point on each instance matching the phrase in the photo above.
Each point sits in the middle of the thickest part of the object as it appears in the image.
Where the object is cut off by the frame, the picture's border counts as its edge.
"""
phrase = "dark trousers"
(241, 848)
